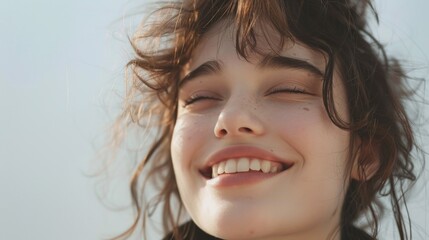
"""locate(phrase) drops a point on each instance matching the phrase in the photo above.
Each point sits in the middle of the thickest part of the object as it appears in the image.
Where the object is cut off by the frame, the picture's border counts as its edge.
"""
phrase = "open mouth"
(243, 165)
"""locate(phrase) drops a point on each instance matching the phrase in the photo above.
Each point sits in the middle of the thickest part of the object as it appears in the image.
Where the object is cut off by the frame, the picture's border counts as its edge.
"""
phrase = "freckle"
(306, 109)
(271, 150)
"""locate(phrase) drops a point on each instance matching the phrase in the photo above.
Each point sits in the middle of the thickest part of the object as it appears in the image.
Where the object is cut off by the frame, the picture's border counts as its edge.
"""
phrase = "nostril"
(245, 130)
(223, 132)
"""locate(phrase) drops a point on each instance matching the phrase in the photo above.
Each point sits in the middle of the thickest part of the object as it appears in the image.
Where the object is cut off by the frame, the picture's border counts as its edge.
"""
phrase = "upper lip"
(244, 151)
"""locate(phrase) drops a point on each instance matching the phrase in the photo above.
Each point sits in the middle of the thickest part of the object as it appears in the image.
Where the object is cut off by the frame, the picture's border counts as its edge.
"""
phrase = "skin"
(303, 202)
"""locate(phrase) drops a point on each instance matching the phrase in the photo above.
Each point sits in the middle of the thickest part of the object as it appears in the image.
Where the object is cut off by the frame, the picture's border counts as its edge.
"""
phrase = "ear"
(366, 162)
(364, 170)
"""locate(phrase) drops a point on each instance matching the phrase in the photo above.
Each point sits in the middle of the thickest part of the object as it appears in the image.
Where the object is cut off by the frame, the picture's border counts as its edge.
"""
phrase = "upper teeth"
(245, 165)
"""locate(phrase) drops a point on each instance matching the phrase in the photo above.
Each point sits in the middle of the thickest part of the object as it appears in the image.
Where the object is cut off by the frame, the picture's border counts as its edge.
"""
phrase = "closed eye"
(293, 90)
(197, 97)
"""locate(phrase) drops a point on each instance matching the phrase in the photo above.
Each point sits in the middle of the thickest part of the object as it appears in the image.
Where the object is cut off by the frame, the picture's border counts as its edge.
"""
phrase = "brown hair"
(380, 129)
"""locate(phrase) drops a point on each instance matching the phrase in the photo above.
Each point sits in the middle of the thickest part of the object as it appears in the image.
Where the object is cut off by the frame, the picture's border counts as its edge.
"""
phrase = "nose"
(238, 119)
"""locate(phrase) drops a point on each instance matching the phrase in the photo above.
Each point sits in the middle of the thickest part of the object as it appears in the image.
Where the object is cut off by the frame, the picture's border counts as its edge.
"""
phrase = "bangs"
(183, 24)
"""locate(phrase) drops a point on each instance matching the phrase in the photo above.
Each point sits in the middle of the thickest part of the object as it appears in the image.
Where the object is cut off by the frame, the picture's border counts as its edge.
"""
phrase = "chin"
(238, 226)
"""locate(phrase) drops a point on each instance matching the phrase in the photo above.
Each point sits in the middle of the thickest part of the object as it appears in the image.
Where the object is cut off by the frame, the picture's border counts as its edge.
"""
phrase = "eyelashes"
(293, 90)
(199, 97)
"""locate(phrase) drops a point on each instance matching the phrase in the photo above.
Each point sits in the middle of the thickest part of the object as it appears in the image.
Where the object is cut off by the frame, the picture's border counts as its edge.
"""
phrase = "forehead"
(219, 43)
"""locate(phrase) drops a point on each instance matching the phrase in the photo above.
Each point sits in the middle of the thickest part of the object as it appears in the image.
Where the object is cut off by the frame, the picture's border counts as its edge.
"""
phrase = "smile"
(243, 161)
(245, 165)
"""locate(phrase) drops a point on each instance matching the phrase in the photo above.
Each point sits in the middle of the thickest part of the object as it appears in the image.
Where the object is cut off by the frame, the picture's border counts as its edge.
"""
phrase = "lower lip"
(235, 179)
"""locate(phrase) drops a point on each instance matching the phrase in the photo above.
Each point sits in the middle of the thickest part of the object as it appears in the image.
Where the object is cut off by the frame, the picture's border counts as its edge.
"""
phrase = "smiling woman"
(271, 118)
(248, 111)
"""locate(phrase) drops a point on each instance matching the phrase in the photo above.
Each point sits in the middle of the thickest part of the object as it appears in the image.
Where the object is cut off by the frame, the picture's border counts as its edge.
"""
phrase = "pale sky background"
(61, 63)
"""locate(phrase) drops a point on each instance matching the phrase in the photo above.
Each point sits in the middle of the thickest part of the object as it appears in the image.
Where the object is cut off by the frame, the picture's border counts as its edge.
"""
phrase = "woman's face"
(261, 127)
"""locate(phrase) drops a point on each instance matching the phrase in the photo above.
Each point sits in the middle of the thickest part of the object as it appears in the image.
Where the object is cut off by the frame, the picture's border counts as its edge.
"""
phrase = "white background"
(61, 65)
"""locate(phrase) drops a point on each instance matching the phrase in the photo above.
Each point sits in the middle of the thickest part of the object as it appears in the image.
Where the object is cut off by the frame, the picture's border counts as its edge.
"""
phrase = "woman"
(276, 120)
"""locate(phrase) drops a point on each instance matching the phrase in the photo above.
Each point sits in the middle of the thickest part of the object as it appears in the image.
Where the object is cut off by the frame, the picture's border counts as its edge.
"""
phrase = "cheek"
(191, 133)
(191, 137)
(321, 146)
(296, 121)
(187, 127)
(322, 150)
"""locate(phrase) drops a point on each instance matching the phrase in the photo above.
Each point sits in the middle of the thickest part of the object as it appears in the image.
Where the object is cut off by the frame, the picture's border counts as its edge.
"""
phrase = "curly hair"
(380, 129)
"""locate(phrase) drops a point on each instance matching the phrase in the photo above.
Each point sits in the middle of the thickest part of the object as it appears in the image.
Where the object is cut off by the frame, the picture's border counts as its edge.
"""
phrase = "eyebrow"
(288, 62)
(209, 67)
(214, 66)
